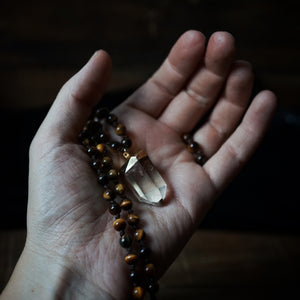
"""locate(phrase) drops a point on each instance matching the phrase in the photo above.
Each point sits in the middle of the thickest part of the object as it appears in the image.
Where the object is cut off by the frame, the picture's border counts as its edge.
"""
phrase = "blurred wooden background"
(43, 43)
(214, 265)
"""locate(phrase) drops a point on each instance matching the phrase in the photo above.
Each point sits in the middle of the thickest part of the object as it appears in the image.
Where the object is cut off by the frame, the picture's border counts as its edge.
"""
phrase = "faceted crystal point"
(144, 180)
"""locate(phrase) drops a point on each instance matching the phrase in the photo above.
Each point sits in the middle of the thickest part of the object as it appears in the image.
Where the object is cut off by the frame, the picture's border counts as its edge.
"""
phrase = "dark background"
(43, 43)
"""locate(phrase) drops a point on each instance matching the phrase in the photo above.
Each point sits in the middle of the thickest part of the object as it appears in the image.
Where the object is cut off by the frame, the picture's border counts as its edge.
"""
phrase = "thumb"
(75, 101)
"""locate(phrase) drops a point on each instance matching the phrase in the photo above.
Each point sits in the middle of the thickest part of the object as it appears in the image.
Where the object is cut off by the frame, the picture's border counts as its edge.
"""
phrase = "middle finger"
(187, 108)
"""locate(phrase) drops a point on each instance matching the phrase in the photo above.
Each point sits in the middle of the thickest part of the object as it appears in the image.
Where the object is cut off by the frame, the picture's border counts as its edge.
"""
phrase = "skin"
(72, 250)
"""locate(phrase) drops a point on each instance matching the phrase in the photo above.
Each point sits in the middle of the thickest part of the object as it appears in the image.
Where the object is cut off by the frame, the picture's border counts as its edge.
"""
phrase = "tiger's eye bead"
(114, 208)
(119, 188)
(100, 148)
(131, 259)
(149, 269)
(193, 147)
(108, 194)
(106, 161)
(139, 234)
(112, 174)
(119, 224)
(120, 129)
(138, 292)
(86, 142)
(187, 137)
(133, 219)
(125, 241)
(126, 204)
(126, 142)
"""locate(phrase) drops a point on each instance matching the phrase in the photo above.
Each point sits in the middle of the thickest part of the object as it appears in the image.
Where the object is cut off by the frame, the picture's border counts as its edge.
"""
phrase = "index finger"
(75, 101)
(169, 79)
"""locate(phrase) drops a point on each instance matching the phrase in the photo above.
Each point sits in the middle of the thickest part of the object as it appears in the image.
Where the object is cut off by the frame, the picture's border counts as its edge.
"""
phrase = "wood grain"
(214, 265)
(44, 42)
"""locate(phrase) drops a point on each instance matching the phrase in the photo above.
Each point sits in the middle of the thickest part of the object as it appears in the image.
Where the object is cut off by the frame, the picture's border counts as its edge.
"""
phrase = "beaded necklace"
(100, 146)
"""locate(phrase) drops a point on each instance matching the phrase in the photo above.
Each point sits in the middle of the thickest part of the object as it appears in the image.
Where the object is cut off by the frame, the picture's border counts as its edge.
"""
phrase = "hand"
(69, 228)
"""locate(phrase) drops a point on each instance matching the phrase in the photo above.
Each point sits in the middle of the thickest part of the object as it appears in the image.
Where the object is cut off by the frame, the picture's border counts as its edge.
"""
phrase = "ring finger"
(228, 111)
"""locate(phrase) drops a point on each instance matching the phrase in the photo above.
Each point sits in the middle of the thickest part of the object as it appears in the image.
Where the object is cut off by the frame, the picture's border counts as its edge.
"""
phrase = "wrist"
(39, 275)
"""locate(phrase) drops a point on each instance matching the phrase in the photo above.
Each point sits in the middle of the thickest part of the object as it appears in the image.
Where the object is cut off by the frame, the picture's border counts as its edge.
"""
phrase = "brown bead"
(193, 147)
(86, 142)
(102, 137)
(199, 158)
(114, 145)
(102, 179)
(145, 252)
(83, 135)
(102, 112)
(133, 219)
(149, 269)
(139, 234)
(93, 126)
(108, 195)
(125, 241)
(100, 148)
(93, 152)
(119, 188)
(114, 208)
(153, 287)
(96, 164)
(187, 137)
(112, 174)
(106, 161)
(111, 118)
(138, 292)
(126, 142)
(133, 275)
(119, 224)
(126, 204)
(120, 129)
(131, 259)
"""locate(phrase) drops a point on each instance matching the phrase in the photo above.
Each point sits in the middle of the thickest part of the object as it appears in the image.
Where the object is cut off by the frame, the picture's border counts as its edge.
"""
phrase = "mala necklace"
(193, 148)
(100, 148)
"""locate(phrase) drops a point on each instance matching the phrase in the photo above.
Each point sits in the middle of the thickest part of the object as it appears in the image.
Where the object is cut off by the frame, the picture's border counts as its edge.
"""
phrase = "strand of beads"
(194, 148)
(99, 147)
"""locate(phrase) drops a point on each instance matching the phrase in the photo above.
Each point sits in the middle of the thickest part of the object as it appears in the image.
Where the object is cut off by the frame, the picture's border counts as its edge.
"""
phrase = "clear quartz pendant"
(144, 180)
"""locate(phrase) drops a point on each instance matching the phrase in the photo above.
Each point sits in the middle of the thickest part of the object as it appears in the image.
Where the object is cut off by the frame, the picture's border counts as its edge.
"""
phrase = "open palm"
(67, 217)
